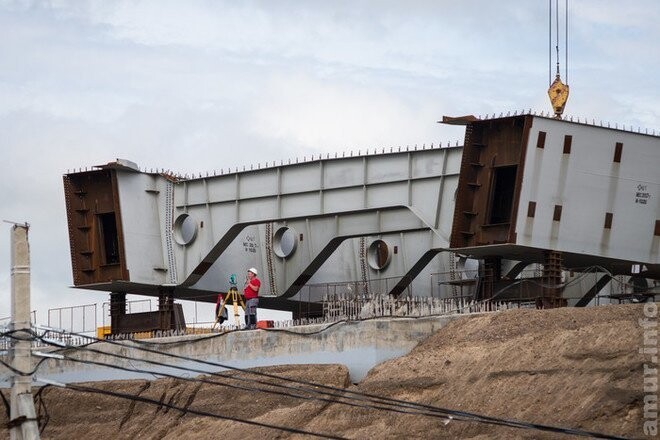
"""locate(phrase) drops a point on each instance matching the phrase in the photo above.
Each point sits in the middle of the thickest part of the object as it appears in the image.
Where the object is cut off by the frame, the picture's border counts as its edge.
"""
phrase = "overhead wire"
(438, 412)
(184, 410)
(11, 334)
(6, 403)
(258, 389)
(442, 415)
(225, 333)
(43, 420)
(340, 393)
(454, 413)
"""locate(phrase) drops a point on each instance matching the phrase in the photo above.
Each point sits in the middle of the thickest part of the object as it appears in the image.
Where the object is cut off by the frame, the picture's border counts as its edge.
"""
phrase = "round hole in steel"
(379, 254)
(285, 242)
(185, 229)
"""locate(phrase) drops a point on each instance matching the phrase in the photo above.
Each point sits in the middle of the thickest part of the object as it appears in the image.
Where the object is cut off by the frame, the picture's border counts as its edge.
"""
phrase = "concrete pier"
(359, 345)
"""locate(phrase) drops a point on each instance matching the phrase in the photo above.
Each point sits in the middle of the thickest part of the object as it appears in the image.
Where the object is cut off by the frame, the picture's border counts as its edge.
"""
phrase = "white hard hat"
(253, 270)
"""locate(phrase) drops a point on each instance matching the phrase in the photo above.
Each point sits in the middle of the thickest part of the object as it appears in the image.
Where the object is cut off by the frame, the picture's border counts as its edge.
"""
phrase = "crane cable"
(558, 91)
(557, 40)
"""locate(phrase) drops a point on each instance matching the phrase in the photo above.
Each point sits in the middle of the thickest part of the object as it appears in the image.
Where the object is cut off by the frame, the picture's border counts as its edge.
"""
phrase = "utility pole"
(23, 419)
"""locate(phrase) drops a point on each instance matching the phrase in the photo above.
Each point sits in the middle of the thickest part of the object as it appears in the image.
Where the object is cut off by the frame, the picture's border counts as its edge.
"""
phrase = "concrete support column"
(22, 416)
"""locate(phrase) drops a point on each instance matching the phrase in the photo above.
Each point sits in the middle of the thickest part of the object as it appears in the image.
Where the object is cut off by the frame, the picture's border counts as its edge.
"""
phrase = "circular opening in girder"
(285, 242)
(379, 255)
(185, 229)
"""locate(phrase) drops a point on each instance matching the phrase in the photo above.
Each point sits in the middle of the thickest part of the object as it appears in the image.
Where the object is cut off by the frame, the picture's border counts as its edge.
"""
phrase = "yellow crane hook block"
(558, 93)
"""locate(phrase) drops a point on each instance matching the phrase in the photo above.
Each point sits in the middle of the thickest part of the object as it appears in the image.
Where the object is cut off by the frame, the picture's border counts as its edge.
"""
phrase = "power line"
(6, 403)
(225, 333)
(438, 413)
(315, 386)
(454, 413)
(183, 410)
(223, 376)
(469, 418)
(12, 334)
(43, 420)
(286, 394)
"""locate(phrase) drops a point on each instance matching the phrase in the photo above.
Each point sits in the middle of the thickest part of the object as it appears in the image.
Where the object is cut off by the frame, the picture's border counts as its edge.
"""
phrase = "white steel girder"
(334, 199)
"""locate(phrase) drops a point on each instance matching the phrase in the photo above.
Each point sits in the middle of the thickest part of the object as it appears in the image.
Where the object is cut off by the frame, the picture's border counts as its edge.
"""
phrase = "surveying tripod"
(235, 298)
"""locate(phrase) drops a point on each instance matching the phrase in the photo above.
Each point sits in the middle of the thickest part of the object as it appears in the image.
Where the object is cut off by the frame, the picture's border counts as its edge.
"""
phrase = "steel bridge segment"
(347, 225)
(144, 212)
(379, 227)
(333, 230)
(344, 189)
(147, 202)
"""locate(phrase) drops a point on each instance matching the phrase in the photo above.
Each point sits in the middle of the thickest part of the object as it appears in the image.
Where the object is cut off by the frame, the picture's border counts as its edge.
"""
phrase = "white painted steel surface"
(403, 198)
(336, 208)
(587, 183)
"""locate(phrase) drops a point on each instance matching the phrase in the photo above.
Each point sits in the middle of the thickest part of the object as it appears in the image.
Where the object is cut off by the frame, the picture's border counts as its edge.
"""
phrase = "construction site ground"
(569, 367)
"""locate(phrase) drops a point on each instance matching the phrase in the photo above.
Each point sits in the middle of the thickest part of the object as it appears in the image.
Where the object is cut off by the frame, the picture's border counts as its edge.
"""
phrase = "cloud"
(330, 117)
(206, 85)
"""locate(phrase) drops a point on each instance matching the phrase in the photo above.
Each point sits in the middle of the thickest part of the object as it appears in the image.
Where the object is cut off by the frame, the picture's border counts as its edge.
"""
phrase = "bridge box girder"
(530, 184)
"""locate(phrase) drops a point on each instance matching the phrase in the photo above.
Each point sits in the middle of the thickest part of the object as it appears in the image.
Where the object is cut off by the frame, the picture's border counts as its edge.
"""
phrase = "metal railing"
(452, 293)
(4, 322)
(529, 285)
(132, 306)
(454, 284)
(380, 286)
(76, 319)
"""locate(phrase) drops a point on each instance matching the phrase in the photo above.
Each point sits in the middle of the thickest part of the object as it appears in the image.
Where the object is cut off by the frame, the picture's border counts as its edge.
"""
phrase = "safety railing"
(4, 322)
(76, 319)
(453, 293)
(454, 284)
(132, 306)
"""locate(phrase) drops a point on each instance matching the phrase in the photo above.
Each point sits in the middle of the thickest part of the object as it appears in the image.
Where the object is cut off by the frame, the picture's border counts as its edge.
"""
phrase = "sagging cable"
(49, 329)
(49, 382)
(48, 355)
(54, 342)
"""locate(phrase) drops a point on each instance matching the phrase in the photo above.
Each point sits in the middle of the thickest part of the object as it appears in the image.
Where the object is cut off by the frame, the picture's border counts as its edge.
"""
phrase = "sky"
(200, 85)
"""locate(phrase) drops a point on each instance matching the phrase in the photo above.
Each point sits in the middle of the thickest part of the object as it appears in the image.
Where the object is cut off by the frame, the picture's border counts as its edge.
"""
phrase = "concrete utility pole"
(23, 419)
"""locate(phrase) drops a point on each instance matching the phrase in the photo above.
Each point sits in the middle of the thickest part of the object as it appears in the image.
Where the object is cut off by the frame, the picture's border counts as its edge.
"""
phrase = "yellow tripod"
(235, 298)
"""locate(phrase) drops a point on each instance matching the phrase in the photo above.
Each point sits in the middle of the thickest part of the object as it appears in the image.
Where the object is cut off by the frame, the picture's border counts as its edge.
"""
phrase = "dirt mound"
(569, 367)
(577, 368)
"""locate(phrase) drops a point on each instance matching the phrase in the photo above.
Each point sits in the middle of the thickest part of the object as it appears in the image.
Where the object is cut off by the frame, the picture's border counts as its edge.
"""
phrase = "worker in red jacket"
(251, 293)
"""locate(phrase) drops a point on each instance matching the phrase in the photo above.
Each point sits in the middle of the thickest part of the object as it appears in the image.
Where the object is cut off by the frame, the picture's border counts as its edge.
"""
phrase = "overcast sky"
(197, 85)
